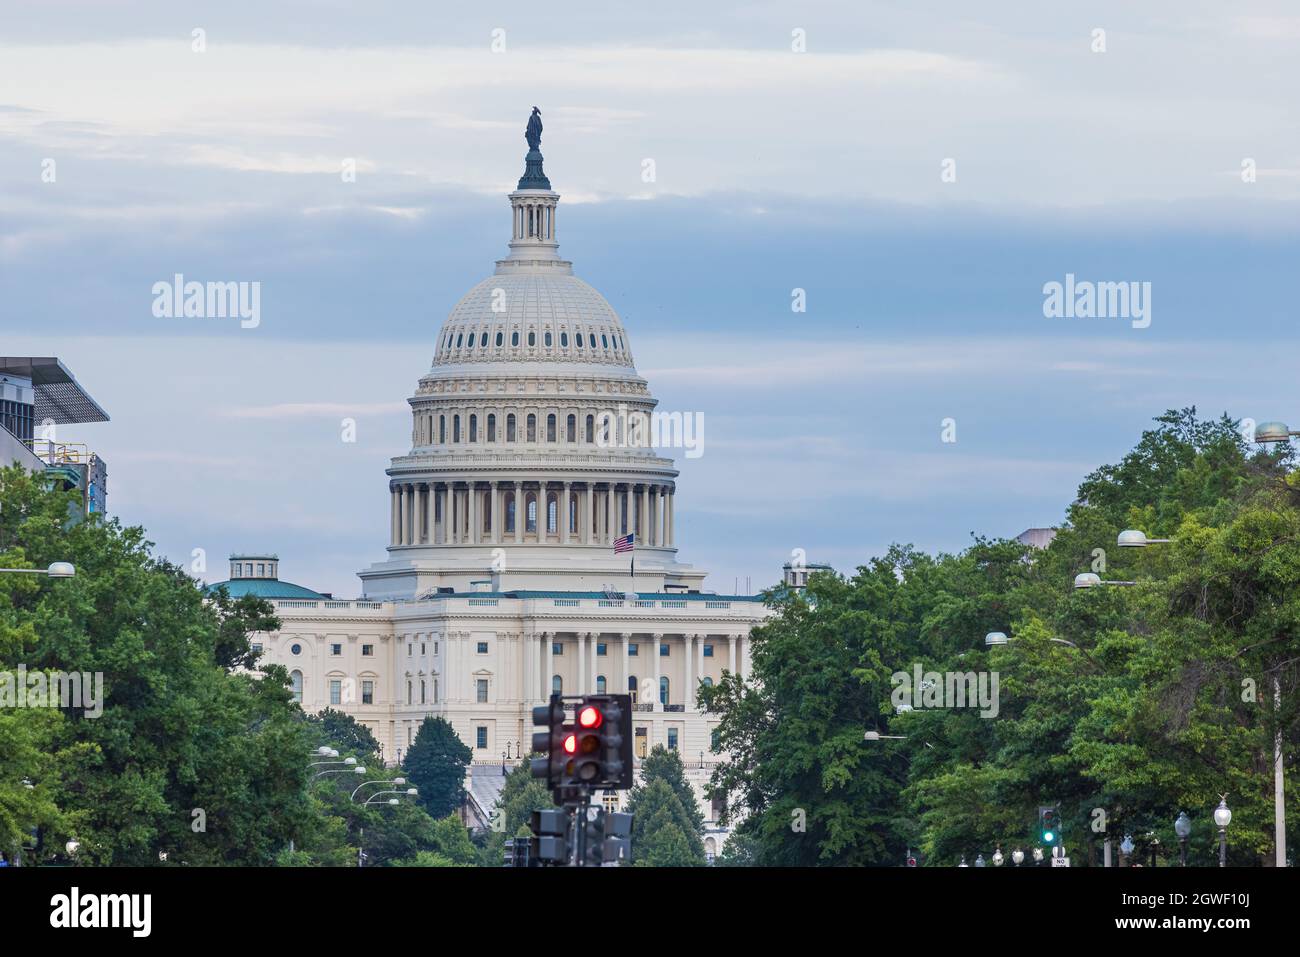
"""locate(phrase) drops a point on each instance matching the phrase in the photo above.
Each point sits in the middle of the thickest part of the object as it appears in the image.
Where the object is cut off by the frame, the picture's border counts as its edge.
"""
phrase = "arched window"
(408, 690)
(295, 680)
(557, 684)
(604, 340)
(500, 337)
(492, 427)
(473, 428)
(460, 340)
(591, 429)
(548, 339)
(600, 684)
(424, 685)
(573, 514)
(532, 427)
(564, 340)
(663, 690)
(550, 427)
(532, 338)
(707, 682)
(510, 513)
(632, 686)
(455, 428)
(577, 339)
(531, 519)
(442, 429)
(550, 513)
(510, 427)
(571, 429)
(514, 338)
(592, 337)
(483, 340)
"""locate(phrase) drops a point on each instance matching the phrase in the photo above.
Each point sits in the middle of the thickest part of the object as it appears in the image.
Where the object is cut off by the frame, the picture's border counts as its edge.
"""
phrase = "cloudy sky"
(920, 169)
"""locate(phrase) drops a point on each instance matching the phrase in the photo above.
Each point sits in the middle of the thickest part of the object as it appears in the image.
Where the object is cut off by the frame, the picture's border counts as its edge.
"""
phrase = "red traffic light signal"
(589, 716)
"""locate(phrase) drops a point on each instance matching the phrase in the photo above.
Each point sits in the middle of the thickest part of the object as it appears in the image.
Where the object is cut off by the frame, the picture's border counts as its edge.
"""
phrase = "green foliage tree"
(663, 830)
(435, 763)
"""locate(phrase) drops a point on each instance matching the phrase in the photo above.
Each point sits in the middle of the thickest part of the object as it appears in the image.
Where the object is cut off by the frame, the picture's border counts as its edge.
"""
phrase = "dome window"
(514, 338)
(548, 340)
(550, 427)
(459, 339)
(605, 340)
(532, 338)
(577, 338)
(500, 337)
(483, 340)
(564, 340)
(592, 337)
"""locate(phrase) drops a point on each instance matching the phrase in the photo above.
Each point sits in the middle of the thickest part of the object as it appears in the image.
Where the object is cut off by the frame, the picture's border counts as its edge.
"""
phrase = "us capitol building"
(501, 584)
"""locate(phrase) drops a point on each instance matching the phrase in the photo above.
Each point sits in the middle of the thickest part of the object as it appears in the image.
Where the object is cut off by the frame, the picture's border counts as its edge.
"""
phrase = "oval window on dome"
(604, 339)
(514, 338)
(577, 339)
(564, 340)
(500, 337)
(459, 339)
(548, 340)
(592, 337)
(483, 340)
(532, 338)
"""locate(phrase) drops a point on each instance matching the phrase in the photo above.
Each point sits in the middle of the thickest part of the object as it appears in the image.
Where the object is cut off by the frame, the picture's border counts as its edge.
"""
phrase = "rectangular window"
(482, 690)
(631, 650)
(557, 647)
(715, 740)
(482, 647)
(367, 692)
(257, 647)
(672, 739)
(423, 650)
(410, 650)
(600, 649)
(336, 691)
(642, 742)
(367, 651)
(336, 650)
(708, 651)
(481, 737)
(663, 650)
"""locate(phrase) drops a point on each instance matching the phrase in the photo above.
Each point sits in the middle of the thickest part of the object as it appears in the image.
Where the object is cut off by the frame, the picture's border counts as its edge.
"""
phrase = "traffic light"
(599, 748)
(1049, 826)
(617, 846)
(551, 742)
(550, 841)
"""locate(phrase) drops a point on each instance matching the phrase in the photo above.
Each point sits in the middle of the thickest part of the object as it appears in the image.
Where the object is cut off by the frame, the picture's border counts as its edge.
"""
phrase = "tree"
(350, 737)
(435, 763)
(663, 831)
(520, 796)
(187, 755)
(663, 764)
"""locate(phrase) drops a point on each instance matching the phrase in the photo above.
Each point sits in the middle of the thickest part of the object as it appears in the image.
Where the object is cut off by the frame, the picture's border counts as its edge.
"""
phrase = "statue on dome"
(534, 132)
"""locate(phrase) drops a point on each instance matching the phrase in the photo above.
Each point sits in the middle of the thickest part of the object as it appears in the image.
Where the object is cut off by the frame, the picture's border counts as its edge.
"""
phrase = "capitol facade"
(501, 583)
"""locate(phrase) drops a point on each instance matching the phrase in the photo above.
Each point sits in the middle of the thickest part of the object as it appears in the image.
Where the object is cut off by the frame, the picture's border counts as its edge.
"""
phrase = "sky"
(919, 170)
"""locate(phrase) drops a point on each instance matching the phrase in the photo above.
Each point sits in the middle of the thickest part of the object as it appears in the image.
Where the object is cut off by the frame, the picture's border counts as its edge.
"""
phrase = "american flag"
(624, 544)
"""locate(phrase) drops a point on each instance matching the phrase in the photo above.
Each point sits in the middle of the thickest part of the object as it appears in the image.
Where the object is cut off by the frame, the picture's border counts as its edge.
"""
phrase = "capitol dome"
(533, 442)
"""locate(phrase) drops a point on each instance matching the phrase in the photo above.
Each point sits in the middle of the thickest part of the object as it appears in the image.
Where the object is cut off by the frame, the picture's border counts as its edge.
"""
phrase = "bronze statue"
(534, 132)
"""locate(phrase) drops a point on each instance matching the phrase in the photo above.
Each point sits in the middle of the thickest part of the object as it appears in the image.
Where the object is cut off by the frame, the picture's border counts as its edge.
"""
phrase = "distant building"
(258, 573)
(37, 395)
(1036, 537)
(795, 575)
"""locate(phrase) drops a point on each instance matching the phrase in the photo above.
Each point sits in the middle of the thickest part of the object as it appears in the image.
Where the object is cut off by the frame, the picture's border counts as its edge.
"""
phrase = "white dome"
(542, 316)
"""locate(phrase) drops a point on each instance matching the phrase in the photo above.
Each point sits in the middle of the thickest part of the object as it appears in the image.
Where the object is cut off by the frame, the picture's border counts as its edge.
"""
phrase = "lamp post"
(1183, 828)
(1038, 857)
(1223, 817)
(395, 781)
(55, 570)
(997, 857)
(1126, 848)
(1092, 580)
(979, 860)
(1018, 856)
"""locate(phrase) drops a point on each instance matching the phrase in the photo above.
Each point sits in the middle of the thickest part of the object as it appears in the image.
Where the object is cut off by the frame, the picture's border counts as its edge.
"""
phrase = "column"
(471, 497)
(549, 650)
(527, 642)
(595, 664)
(452, 517)
(395, 515)
(520, 515)
(746, 661)
(658, 639)
(609, 515)
(430, 515)
(661, 524)
(442, 504)
(627, 638)
(536, 651)
(584, 525)
(496, 513)
(732, 659)
(406, 515)
(688, 692)
(699, 661)
(583, 679)
(672, 498)
(645, 515)
(562, 513)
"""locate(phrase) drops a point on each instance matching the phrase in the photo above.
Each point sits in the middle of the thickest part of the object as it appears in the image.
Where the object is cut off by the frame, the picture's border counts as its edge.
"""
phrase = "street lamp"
(1136, 538)
(56, 570)
(995, 638)
(1018, 856)
(395, 781)
(1273, 432)
(1183, 828)
(1038, 856)
(1126, 846)
(1223, 817)
(1092, 580)
(997, 857)
(877, 736)
(979, 861)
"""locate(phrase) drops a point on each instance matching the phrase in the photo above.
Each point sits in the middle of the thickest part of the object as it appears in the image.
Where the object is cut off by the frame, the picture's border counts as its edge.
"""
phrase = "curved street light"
(397, 781)
(55, 570)
(1136, 538)
(1092, 580)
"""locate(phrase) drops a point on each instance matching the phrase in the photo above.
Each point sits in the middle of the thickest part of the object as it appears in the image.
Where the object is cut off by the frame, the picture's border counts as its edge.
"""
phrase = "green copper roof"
(263, 588)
